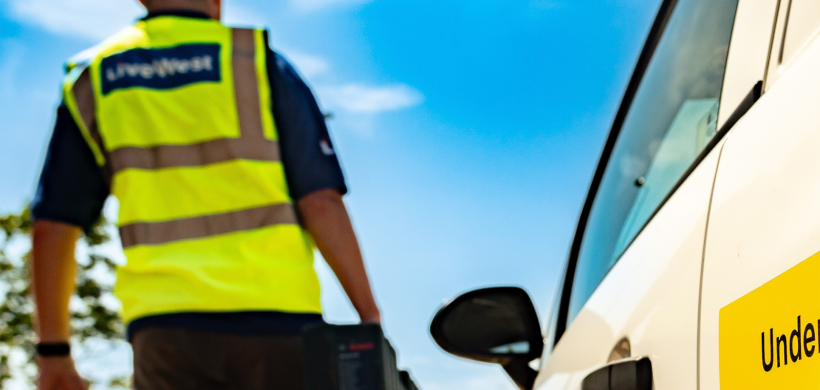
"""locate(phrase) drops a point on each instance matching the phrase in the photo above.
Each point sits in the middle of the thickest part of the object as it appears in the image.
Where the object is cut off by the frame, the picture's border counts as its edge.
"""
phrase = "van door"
(761, 277)
(633, 279)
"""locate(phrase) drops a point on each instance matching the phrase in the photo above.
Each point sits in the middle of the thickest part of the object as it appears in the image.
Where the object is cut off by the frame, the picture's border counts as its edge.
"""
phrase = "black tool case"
(351, 357)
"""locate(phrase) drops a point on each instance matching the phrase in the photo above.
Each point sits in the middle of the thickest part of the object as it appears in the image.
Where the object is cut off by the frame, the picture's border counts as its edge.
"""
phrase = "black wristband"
(53, 349)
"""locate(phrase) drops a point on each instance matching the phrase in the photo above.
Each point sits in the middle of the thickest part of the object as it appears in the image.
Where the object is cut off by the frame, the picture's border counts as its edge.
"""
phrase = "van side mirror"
(493, 325)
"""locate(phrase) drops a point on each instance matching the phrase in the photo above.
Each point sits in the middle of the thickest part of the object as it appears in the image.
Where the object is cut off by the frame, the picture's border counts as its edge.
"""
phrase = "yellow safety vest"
(178, 114)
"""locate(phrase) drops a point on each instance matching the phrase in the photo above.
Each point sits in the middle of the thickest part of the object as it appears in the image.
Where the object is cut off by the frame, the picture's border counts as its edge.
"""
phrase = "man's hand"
(325, 217)
(58, 373)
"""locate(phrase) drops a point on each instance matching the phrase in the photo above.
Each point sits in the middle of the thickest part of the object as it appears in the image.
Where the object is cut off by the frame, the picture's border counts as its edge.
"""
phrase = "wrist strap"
(53, 349)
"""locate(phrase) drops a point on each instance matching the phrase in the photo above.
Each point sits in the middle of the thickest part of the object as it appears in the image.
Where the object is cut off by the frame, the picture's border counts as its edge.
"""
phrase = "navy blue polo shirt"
(72, 188)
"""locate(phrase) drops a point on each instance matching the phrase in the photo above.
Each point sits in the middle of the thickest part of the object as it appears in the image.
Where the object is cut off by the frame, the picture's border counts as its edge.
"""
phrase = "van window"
(672, 117)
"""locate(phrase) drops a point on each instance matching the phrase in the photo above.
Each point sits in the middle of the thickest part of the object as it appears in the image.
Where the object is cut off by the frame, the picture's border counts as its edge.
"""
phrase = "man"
(225, 176)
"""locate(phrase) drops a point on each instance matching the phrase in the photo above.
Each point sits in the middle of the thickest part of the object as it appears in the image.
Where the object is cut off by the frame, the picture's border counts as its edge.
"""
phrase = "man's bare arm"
(53, 270)
(325, 217)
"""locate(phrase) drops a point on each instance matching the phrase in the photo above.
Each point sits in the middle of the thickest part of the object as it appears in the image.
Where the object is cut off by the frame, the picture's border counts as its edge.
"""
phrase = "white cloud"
(358, 98)
(355, 107)
(89, 19)
(308, 65)
(312, 5)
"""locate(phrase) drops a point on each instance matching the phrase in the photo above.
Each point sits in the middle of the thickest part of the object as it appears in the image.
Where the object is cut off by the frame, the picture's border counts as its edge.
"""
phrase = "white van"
(695, 260)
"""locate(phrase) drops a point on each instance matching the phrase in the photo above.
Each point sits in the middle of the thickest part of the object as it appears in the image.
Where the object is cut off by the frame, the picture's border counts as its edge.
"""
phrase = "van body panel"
(765, 217)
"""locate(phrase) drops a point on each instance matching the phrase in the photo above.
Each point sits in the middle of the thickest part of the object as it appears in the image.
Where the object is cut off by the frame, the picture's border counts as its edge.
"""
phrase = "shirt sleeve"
(308, 156)
(72, 189)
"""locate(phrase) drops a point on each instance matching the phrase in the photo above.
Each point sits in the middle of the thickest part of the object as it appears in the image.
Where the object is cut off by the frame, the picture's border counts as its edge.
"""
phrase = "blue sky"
(468, 132)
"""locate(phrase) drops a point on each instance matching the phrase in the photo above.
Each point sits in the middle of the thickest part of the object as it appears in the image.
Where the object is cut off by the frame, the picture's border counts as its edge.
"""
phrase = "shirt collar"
(179, 13)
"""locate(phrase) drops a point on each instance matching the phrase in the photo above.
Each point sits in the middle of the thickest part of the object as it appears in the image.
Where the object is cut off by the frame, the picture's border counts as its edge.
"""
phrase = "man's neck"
(178, 13)
(184, 7)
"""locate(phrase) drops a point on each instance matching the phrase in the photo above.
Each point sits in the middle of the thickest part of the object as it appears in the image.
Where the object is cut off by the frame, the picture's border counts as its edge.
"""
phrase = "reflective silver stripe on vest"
(156, 233)
(246, 86)
(84, 97)
(204, 153)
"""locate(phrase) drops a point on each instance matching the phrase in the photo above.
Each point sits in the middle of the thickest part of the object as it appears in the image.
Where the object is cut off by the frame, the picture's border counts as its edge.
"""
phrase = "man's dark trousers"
(177, 358)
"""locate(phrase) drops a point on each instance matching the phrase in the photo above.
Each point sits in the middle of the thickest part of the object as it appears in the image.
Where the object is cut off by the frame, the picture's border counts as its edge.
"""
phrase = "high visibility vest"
(177, 112)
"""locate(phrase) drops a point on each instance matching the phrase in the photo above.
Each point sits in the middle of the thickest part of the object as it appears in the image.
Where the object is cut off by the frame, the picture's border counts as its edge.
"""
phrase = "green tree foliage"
(90, 317)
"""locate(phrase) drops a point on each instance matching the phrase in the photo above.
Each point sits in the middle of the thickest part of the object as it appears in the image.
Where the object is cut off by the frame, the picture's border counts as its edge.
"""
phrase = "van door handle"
(624, 374)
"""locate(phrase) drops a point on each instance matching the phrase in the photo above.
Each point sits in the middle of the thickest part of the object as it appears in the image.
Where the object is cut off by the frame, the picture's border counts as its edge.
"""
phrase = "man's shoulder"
(286, 82)
(280, 65)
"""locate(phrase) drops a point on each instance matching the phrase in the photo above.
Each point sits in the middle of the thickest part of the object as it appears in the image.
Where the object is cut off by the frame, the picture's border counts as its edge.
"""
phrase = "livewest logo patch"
(165, 68)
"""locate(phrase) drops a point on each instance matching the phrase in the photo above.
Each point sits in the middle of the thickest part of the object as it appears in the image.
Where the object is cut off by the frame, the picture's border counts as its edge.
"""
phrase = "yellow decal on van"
(770, 337)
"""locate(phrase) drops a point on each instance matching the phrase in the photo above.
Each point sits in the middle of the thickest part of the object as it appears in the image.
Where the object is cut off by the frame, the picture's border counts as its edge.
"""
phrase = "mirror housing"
(494, 325)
